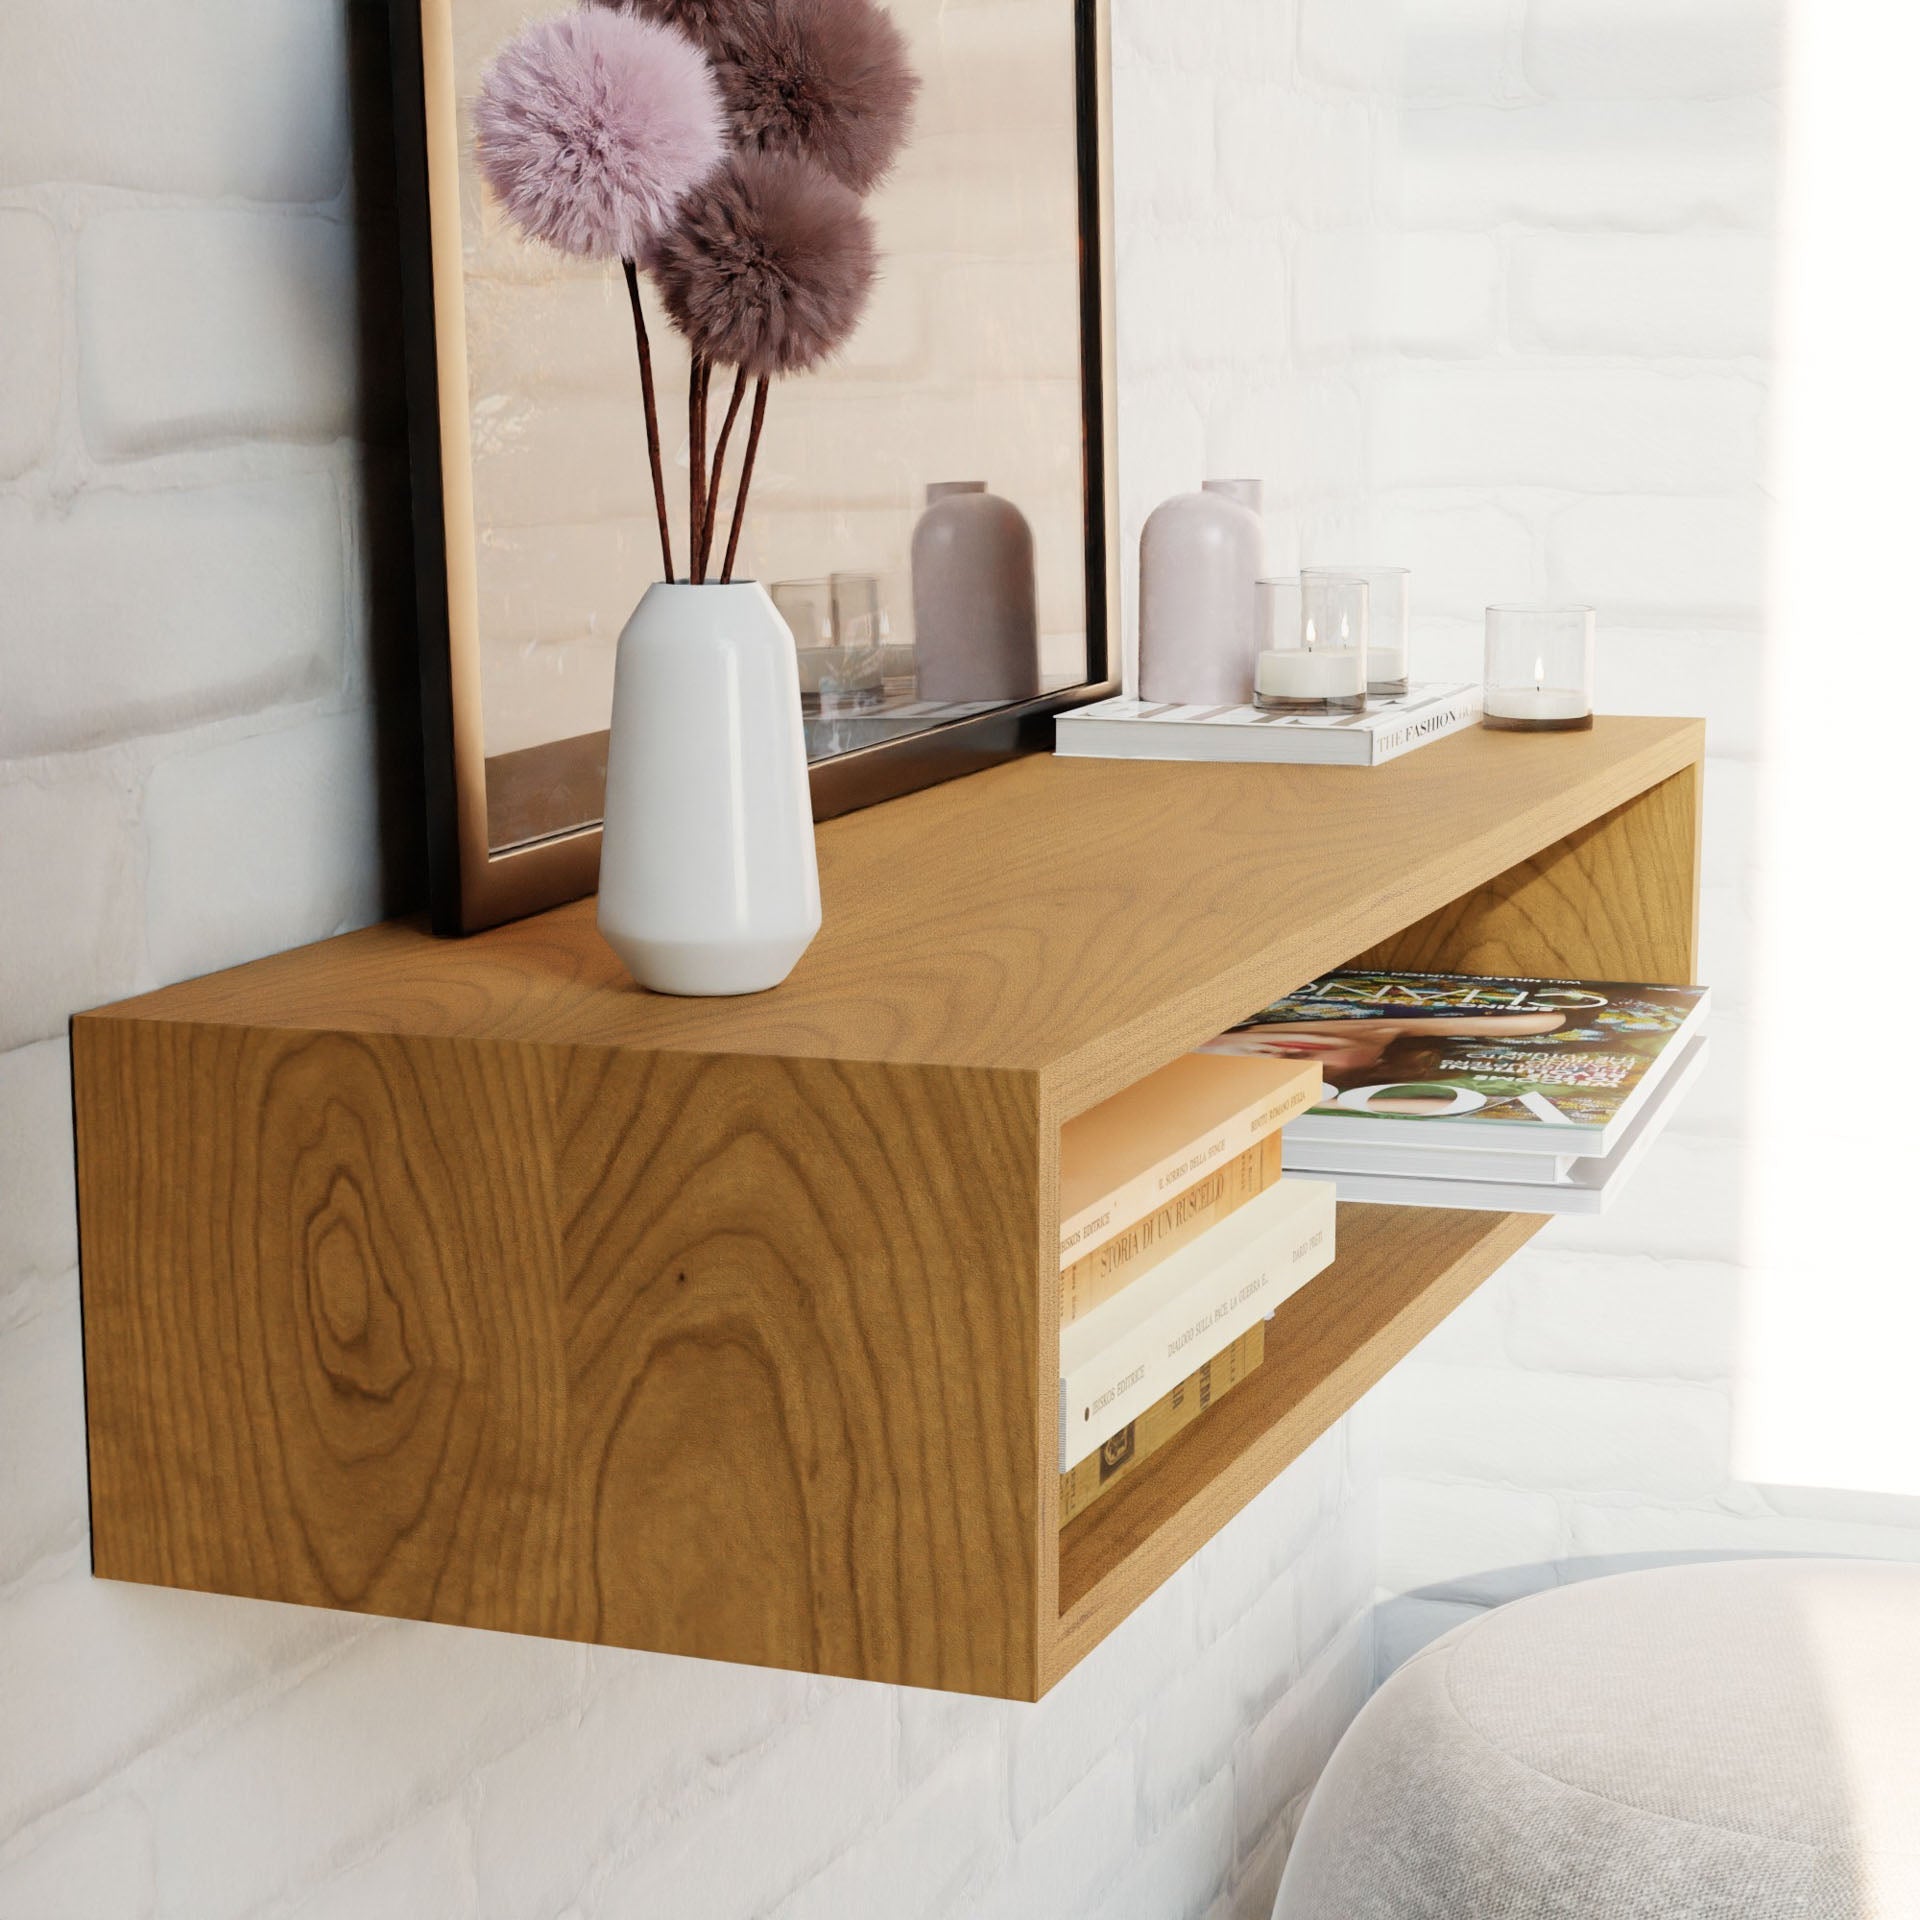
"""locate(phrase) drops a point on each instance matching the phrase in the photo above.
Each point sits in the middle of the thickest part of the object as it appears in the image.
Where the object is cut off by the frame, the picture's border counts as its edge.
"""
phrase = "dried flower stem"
(696, 465)
(719, 458)
(746, 474)
(653, 420)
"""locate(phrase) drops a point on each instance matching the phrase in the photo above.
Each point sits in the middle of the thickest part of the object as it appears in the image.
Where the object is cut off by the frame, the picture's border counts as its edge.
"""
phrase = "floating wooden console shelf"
(462, 1281)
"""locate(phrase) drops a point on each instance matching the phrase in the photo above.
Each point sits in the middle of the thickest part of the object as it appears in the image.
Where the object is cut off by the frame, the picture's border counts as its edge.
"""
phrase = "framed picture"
(983, 363)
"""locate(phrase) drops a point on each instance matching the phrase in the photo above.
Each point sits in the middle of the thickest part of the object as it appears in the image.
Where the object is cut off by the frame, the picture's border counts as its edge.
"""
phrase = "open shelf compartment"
(461, 1281)
(1399, 1272)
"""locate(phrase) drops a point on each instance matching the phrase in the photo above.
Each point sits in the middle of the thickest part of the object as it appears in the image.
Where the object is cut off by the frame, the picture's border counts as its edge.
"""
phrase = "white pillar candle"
(1386, 620)
(1537, 703)
(1300, 673)
(1386, 666)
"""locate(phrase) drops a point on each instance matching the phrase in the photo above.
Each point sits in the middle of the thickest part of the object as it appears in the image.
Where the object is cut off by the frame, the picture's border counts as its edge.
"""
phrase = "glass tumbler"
(1539, 671)
(1387, 647)
(1313, 660)
(859, 633)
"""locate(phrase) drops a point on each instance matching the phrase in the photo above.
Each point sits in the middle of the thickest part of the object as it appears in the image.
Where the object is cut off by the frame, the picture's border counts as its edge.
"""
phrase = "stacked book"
(1128, 729)
(1178, 1237)
(1502, 1094)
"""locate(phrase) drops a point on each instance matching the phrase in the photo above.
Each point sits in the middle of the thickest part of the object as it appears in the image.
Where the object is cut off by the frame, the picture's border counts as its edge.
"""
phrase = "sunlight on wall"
(1832, 1335)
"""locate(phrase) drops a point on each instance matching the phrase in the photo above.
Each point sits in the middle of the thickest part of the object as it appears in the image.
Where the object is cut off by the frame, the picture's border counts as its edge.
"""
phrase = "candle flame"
(1539, 673)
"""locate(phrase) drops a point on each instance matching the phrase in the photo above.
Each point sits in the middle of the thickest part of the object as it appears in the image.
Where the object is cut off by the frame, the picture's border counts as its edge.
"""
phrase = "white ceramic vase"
(1201, 556)
(708, 883)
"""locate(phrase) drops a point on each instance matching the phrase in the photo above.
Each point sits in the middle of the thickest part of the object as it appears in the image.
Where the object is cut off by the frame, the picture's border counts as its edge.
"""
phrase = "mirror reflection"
(918, 505)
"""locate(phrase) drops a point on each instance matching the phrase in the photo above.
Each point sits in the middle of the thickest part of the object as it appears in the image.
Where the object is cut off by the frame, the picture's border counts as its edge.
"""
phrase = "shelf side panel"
(1618, 899)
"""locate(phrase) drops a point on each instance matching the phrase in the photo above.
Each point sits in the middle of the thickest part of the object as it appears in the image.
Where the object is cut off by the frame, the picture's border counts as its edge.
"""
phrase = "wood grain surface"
(1065, 917)
(712, 1356)
(1618, 899)
(463, 1281)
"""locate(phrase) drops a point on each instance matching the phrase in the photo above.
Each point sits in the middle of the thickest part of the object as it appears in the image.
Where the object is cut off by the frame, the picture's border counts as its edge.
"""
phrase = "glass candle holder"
(807, 608)
(857, 678)
(1539, 672)
(1278, 621)
(1387, 644)
(1314, 646)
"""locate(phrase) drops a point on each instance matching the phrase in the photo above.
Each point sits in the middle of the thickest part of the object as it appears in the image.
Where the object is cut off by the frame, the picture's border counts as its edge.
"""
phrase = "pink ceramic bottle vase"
(976, 636)
(1200, 557)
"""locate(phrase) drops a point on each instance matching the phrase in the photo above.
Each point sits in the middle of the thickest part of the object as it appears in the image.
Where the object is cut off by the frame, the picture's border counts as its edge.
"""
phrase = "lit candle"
(1538, 702)
(1539, 674)
(1386, 621)
(1327, 671)
(1304, 673)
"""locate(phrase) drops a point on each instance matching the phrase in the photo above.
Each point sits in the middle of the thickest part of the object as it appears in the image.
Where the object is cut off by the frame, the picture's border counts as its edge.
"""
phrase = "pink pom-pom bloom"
(593, 127)
(709, 24)
(768, 267)
(821, 80)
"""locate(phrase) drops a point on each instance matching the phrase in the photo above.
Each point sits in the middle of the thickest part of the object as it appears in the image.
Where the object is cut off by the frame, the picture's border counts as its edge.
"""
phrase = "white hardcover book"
(1128, 729)
(1116, 1361)
(1591, 1187)
(1428, 1163)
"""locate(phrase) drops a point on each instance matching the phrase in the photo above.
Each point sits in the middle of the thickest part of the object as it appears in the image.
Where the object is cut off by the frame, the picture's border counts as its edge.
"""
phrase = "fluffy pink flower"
(707, 23)
(593, 127)
(768, 266)
(822, 80)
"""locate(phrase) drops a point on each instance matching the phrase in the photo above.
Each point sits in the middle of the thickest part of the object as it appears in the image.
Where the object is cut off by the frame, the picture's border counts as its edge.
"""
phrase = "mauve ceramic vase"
(975, 633)
(708, 881)
(1201, 555)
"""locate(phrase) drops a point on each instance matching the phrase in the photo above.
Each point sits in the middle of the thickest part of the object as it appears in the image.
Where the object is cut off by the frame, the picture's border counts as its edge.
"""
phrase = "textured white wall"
(1580, 204)
(1478, 284)
(197, 508)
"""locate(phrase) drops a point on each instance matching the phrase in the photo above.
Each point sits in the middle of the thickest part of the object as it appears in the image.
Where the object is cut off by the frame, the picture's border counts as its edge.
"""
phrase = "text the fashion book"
(1128, 729)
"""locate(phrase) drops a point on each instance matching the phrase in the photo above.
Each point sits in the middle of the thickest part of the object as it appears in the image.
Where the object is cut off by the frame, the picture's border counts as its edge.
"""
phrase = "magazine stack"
(1506, 1095)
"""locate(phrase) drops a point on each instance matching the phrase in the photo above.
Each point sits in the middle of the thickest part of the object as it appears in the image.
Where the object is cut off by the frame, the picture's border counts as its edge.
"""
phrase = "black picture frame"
(473, 881)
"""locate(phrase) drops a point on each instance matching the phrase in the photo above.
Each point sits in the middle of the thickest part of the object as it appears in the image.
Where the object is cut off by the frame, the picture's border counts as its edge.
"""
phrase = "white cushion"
(1739, 1739)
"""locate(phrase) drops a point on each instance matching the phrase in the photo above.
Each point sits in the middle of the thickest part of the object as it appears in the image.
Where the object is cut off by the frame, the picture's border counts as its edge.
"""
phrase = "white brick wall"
(202, 324)
(188, 778)
(223, 601)
(1620, 157)
(1478, 284)
(30, 360)
(222, 99)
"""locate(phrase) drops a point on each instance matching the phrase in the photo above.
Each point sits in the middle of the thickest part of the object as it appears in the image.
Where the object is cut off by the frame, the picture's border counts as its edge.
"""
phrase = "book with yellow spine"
(1175, 1223)
(1172, 1413)
(1141, 1146)
(1116, 1361)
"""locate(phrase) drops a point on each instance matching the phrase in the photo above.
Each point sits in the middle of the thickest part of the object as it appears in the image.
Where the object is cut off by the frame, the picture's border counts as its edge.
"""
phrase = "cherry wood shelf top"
(1053, 916)
(461, 1280)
